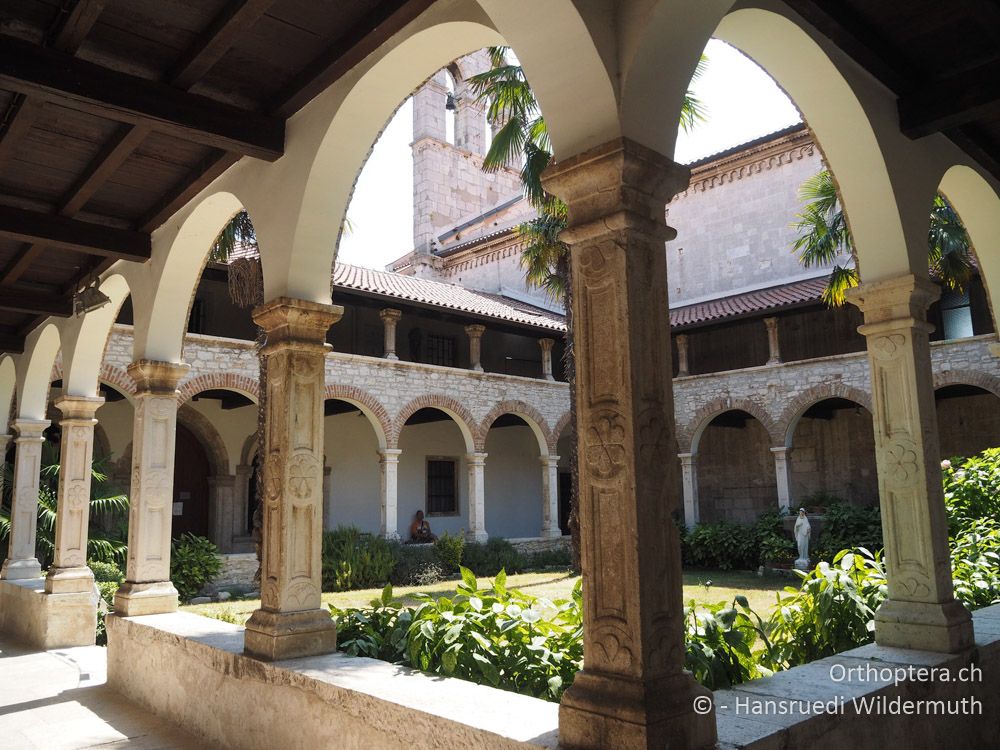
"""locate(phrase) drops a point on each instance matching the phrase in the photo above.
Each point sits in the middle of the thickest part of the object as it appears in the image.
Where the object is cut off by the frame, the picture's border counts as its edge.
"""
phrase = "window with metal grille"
(956, 315)
(440, 350)
(196, 320)
(442, 489)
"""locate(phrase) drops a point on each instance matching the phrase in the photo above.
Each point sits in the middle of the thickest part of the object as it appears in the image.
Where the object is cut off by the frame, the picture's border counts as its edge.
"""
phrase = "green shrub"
(416, 565)
(719, 641)
(449, 549)
(194, 561)
(356, 560)
(777, 548)
(379, 632)
(106, 572)
(490, 558)
(722, 544)
(971, 488)
(975, 563)
(847, 526)
(557, 557)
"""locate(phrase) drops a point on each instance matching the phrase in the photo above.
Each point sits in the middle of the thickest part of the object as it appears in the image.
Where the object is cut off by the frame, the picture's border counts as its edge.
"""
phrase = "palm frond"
(841, 279)
(238, 233)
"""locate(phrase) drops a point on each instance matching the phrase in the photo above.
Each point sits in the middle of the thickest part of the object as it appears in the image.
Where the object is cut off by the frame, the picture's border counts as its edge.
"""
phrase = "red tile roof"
(438, 294)
(793, 294)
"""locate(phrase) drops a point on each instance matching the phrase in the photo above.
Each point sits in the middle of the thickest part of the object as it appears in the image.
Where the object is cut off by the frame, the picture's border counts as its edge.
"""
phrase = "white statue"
(802, 532)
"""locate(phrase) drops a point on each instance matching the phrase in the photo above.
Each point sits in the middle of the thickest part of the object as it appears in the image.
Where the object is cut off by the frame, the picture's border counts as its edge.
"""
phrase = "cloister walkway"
(58, 700)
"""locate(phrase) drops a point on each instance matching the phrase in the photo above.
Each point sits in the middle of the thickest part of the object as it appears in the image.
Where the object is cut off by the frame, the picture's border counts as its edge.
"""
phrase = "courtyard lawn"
(705, 587)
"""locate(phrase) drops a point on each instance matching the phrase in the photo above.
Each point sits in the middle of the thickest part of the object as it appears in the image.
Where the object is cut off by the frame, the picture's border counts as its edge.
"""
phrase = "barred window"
(440, 350)
(442, 489)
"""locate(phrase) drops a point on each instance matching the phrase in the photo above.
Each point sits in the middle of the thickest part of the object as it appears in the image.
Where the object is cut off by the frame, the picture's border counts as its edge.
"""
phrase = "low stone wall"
(191, 671)
(853, 701)
(237, 570)
(535, 545)
(47, 621)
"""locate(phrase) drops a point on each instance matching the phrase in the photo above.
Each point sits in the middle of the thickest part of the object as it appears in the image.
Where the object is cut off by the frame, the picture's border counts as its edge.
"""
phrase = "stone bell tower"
(449, 185)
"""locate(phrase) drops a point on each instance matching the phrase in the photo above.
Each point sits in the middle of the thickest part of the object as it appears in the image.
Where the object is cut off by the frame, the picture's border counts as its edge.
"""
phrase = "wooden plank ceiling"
(114, 113)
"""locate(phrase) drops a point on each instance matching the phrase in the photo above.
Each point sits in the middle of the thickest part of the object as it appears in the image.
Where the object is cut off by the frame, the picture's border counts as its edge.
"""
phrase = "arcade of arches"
(615, 172)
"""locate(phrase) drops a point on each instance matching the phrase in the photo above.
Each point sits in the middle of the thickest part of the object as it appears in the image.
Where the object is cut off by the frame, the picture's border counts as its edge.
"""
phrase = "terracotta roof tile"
(795, 293)
(451, 296)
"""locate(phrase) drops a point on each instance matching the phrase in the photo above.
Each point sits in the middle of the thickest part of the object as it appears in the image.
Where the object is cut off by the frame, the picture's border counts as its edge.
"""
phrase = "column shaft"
(550, 497)
(477, 497)
(291, 622)
(390, 316)
(389, 476)
(69, 571)
(689, 477)
(633, 691)
(21, 561)
(773, 348)
(682, 355)
(783, 476)
(147, 589)
(920, 611)
(546, 347)
(475, 334)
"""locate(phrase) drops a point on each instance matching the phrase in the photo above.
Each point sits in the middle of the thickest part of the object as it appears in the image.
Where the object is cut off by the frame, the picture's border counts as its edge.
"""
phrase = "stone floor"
(58, 700)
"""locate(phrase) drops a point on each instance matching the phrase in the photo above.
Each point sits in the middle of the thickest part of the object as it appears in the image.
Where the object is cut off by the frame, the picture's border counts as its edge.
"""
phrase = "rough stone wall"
(736, 480)
(733, 222)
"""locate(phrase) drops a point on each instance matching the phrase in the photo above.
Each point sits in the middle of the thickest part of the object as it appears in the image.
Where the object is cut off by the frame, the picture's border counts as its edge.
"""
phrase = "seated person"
(420, 530)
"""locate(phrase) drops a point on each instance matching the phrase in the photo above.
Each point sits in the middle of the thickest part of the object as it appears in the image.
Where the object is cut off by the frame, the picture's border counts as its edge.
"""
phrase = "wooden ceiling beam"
(952, 102)
(196, 180)
(73, 27)
(363, 38)
(217, 39)
(78, 84)
(70, 234)
(36, 303)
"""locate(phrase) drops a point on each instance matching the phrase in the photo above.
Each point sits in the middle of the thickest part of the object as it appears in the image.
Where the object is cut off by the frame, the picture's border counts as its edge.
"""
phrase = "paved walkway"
(58, 700)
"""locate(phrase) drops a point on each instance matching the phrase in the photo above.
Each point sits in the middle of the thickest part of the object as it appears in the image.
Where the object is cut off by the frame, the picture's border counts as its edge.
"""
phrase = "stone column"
(920, 611)
(241, 499)
(221, 502)
(390, 316)
(689, 476)
(147, 589)
(782, 473)
(69, 572)
(291, 621)
(21, 561)
(546, 347)
(389, 481)
(633, 691)
(475, 333)
(682, 355)
(477, 497)
(550, 497)
(773, 349)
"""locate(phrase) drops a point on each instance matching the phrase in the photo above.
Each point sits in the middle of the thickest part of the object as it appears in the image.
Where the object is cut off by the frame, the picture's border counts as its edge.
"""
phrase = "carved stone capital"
(475, 331)
(78, 408)
(617, 185)
(546, 345)
(390, 314)
(157, 378)
(901, 298)
(30, 430)
(287, 320)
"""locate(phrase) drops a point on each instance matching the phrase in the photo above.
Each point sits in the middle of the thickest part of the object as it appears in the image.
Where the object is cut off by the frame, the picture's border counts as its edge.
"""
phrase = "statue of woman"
(802, 532)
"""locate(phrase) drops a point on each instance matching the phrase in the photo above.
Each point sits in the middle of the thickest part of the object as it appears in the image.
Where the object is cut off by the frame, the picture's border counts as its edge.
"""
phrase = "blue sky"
(742, 103)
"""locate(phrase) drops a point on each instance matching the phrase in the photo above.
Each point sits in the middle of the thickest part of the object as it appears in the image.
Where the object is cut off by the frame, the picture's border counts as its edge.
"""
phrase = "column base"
(273, 636)
(600, 711)
(136, 599)
(479, 537)
(552, 533)
(69, 580)
(19, 570)
(944, 628)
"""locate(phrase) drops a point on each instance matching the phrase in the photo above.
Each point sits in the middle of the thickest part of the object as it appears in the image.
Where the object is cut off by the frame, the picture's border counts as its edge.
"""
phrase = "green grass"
(704, 587)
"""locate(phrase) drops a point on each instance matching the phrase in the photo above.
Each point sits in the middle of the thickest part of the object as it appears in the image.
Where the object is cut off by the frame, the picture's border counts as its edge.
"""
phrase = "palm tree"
(108, 511)
(825, 237)
(523, 136)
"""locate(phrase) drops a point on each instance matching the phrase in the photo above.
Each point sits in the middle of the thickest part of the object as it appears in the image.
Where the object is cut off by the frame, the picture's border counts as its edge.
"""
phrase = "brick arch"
(688, 437)
(228, 381)
(564, 421)
(789, 419)
(528, 413)
(975, 378)
(203, 429)
(462, 416)
(110, 375)
(370, 406)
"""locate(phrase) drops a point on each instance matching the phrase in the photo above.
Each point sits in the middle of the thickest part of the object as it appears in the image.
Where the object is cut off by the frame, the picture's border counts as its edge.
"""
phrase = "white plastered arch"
(8, 387)
(35, 371)
(85, 339)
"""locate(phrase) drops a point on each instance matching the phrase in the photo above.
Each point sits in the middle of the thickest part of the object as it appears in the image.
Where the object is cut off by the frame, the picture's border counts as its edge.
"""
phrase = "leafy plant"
(971, 488)
(449, 549)
(106, 508)
(722, 544)
(846, 526)
(975, 563)
(353, 559)
(194, 561)
(490, 558)
(719, 641)
(416, 565)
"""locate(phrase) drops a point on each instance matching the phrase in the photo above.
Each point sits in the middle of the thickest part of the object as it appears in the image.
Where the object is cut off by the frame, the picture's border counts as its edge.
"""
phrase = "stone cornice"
(759, 158)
